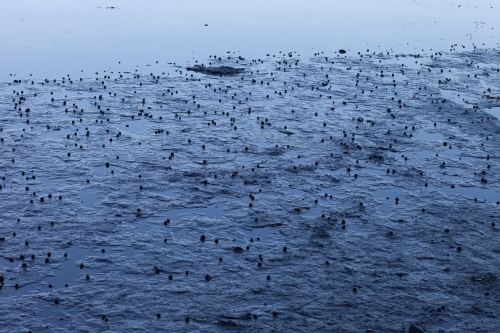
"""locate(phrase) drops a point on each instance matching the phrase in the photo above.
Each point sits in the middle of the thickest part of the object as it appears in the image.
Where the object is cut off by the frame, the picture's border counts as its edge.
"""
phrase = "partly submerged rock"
(227, 323)
(414, 329)
(485, 278)
(222, 70)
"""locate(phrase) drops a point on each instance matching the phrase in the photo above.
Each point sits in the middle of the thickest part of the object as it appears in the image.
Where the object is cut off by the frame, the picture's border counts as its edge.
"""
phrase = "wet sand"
(342, 193)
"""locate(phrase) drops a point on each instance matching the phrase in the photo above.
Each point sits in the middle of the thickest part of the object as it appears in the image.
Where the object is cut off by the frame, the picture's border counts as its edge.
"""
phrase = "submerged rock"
(222, 70)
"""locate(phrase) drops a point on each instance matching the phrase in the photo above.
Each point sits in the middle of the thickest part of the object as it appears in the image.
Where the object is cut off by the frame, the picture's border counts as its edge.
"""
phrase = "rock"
(227, 323)
(222, 70)
(485, 278)
(414, 329)
(238, 249)
(375, 156)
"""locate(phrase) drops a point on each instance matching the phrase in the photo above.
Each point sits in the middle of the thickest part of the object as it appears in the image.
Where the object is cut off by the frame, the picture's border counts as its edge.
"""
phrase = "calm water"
(55, 38)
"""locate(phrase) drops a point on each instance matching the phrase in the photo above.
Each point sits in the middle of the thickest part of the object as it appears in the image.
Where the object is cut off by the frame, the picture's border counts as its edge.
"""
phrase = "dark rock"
(376, 156)
(222, 70)
(414, 329)
(227, 323)
(485, 278)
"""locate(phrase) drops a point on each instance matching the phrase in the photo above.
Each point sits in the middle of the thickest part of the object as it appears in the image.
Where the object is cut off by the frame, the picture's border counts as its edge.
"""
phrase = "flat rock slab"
(222, 70)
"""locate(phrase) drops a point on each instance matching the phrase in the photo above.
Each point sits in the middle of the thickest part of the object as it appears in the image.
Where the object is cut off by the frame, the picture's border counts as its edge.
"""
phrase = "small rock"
(414, 329)
(227, 323)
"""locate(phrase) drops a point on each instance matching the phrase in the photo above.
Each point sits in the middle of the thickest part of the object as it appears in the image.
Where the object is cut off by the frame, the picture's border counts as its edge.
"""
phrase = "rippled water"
(369, 173)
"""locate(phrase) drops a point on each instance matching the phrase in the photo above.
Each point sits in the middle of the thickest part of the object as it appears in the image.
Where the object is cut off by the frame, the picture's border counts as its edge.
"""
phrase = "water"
(89, 197)
(130, 37)
(495, 112)
(450, 323)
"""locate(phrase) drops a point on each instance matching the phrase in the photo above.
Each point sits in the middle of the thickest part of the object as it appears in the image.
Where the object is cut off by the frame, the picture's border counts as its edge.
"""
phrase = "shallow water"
(45, 39)
(495, 112)
(354, 158)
